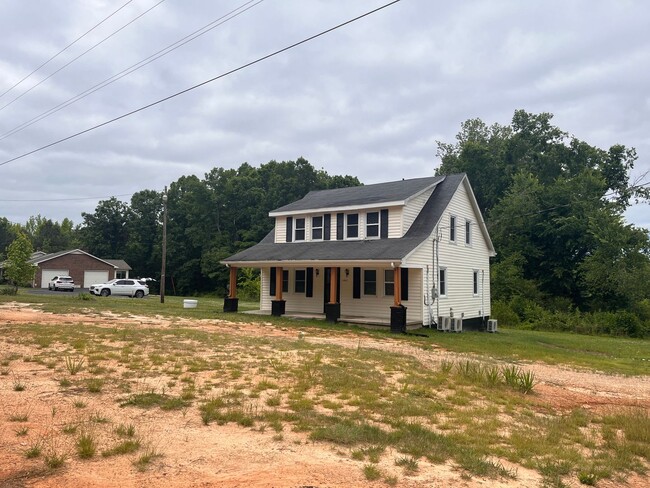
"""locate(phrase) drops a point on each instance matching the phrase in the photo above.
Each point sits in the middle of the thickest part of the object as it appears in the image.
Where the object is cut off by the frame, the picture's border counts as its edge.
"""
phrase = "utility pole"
(164, 248)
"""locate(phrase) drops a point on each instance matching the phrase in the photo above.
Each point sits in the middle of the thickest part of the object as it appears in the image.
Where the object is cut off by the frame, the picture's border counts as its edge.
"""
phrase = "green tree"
(7, 236)
(104, 233)
(17, 269)
(542, 190)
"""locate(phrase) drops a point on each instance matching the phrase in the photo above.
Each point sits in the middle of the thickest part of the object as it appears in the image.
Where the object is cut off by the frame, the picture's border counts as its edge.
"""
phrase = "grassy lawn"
(364, 402)
(607, 354)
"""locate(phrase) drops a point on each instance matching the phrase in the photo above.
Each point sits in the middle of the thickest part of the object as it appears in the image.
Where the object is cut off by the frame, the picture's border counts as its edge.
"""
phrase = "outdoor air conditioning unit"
(492, 325)
(457, 324)
(444, 323)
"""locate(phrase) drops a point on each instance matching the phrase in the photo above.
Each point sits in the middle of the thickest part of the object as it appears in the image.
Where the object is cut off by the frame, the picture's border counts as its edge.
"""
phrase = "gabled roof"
(119, 264)
(371, 250)
(48, 257)
(393, 192)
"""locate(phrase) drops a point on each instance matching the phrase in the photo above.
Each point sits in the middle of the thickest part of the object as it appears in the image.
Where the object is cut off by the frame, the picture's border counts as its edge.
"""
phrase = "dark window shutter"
(289, 229)
(272, 282)
(339, 226)
(383, 233)
(405, 284)
(356, 283)
(309, 287)
(327, 224)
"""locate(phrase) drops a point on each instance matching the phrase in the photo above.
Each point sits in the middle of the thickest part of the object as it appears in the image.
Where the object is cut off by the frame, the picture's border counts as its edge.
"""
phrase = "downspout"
(482, 297)
(437, 271)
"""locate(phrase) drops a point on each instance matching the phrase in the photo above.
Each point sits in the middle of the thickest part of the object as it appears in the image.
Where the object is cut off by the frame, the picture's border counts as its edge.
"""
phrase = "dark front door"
(328, 283)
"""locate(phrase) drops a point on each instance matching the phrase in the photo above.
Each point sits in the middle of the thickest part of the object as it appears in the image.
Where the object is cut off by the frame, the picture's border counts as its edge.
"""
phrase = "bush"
(8, 290)
(504, 314)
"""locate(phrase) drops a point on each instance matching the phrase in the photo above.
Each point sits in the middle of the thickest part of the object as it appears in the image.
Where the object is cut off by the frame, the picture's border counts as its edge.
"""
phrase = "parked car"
(61, 283)
(127, 287)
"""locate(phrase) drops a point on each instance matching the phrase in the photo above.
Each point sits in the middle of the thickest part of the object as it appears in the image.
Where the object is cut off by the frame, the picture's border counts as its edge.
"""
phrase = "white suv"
(61, 283)
(127, 287)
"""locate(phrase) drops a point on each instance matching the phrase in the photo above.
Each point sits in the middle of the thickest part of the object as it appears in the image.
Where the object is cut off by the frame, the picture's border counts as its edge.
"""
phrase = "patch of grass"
(19, 385)
(34, 451)
(125, 447)
(54, 459)
(70, 429)
(19, 417)
(145, 459)
(22, 431)
(372, 472)
(65, 383)
(86, 445)
(408, 464)
(125, 430)
(79, 404)
(94, 385)
(151, 399)
(350, 433)
(74, 364)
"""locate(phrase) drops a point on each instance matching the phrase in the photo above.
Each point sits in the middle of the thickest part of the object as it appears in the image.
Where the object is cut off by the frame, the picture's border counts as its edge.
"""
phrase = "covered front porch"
(369, 322)
(382, 294)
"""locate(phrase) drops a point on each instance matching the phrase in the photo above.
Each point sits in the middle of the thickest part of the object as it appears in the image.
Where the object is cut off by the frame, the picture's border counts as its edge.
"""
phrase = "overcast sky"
(370, 99)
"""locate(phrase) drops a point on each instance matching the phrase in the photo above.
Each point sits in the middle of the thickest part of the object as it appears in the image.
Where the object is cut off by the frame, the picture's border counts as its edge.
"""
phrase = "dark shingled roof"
(393, 191)
(379, 249)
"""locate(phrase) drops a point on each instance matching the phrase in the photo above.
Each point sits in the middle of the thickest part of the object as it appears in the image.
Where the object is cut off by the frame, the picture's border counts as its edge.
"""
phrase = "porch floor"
(371, 322)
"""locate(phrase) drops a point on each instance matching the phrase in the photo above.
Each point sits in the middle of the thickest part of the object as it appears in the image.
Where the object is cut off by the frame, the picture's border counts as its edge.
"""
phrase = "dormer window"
(352, 226)
(317, 228)
(299, 233)
(372, 224)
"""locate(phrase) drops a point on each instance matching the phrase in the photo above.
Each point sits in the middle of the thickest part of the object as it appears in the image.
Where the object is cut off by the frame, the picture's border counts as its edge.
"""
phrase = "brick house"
(84, 268)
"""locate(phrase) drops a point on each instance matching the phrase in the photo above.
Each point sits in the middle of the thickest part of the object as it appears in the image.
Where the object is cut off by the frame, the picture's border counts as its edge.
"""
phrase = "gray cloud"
(364, 100)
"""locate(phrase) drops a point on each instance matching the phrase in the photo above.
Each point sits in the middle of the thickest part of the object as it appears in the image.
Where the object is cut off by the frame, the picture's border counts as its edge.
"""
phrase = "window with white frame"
(442, 282)
(317, 228)
(370, 282)
(475, 282)
(372, 224)
(299, 232)
(352, 226)
(389, 282)
(300, 280)
(468, 232)
(452, 228)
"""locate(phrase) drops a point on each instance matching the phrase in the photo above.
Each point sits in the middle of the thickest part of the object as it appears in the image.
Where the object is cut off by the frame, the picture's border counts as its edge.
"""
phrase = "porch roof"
(385, 250)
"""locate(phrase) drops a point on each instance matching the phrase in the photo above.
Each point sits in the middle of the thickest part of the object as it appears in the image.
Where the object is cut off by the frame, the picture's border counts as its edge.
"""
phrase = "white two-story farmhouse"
(402, 253)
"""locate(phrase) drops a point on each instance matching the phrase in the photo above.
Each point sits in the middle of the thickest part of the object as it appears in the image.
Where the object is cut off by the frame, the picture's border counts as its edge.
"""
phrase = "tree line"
(553, 204)
(208, 220)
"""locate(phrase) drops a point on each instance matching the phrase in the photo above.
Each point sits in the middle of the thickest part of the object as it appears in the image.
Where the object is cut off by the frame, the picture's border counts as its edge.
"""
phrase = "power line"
(82, 54)
(223, 75)
(67, 199)
(141, 64)
(65, 48)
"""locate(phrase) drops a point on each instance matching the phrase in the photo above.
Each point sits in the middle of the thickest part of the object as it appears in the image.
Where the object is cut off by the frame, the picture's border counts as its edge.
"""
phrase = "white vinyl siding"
(395, 222)
(413, 208)
(280, 229)
(459, 261)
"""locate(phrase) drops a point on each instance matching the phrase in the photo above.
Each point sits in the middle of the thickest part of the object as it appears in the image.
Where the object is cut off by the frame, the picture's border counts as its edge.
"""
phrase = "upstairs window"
(299, 233)
(317, 228)
(372, 224)
(352, 226)
(452, 228)
(468, 232)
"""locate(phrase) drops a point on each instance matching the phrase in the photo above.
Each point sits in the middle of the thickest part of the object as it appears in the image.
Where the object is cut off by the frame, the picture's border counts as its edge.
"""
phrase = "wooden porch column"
(333, 282)
(231, 302)
(397, 286)
(233, 282)
(278, 283)
(333, 307)
(278, 305)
